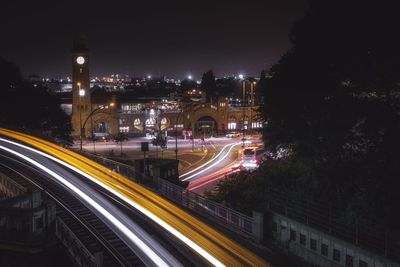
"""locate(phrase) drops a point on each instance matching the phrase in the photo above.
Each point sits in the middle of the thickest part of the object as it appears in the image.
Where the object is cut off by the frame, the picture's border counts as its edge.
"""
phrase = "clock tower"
(81, 99)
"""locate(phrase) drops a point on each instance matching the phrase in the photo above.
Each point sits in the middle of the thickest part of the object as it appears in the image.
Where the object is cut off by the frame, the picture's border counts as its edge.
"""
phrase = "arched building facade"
(111, 113)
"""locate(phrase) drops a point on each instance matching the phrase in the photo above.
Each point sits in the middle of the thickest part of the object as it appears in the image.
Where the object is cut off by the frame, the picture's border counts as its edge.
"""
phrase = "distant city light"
(190, 77)
(149, 77)
(241, 76)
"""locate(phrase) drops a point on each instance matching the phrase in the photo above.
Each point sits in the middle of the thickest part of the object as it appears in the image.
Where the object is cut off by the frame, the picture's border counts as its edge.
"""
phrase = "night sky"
(173, 38)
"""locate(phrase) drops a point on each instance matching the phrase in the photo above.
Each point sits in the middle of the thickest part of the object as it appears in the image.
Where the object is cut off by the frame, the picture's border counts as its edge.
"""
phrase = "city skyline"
(140, 39)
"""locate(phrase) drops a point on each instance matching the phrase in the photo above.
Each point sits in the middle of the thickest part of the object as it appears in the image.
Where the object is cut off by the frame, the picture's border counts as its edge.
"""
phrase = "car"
(233, 134)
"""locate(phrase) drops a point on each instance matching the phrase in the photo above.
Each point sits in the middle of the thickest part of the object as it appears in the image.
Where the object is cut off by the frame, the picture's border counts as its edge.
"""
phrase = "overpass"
(79, 174)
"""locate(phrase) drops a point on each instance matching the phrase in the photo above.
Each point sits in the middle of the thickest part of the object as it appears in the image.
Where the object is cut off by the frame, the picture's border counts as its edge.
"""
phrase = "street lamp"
(252, 86)
(112, 104)
(176, 133)
(81, 93)
(243, 107)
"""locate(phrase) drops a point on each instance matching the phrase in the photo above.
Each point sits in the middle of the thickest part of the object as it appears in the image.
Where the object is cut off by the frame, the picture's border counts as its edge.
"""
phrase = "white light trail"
(212, 165)
(135, 205)
(208, 162)
(135, 239)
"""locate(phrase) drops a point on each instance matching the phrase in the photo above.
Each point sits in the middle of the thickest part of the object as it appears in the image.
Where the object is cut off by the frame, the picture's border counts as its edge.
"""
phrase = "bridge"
(111, 196)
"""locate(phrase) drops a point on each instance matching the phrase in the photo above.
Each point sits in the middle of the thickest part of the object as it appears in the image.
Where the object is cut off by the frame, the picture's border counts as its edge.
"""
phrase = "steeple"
(79, 43)
(81, 98)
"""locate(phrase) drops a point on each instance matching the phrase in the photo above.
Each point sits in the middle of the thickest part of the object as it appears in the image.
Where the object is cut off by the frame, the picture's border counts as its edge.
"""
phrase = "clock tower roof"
(80, 44)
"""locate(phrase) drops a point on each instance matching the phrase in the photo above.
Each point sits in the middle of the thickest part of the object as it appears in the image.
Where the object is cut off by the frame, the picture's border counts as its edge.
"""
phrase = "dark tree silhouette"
(332, 105)
(208, 84)
(29, 106)
(119, 138)
(160, 140)
(187, 84)
(333, 101)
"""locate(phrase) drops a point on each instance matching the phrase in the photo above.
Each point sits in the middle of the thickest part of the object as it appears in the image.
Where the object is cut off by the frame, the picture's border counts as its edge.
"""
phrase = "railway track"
(91, 231)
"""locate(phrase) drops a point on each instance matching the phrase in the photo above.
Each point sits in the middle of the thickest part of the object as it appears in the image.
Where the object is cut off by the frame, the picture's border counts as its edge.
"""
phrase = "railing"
(75, 247)
(226, 217)
(332, 220)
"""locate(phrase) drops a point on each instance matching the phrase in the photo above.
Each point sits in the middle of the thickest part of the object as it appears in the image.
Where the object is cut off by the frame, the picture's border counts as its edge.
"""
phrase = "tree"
(159, 140)
(187, 84)
(332, 105)
(93, 138)
(333, 101)
(30, 107)
(120, 137)
(208, 84)
(261, 86)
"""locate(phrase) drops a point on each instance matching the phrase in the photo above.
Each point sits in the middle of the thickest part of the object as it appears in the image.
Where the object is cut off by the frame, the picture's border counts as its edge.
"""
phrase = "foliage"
(159, 140)
(120, 137)
(208, 84)
(30, 107)
(187, 84)
(333, 101)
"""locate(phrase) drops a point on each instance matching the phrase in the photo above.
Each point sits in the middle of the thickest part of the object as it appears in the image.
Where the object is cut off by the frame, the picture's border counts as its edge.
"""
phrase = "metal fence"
(359, 231)
(226, 217)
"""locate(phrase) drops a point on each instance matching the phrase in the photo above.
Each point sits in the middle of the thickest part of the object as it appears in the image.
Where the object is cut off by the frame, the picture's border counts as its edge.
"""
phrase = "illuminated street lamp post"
(252, 86)
(176, 133)
(81, 93)
(89, 116)
(243, 107)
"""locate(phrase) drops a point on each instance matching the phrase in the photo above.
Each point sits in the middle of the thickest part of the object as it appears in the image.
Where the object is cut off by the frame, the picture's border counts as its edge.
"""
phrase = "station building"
(144, 113)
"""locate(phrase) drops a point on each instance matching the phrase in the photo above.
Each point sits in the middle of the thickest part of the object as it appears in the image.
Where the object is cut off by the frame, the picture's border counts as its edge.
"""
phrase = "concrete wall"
(291, 233)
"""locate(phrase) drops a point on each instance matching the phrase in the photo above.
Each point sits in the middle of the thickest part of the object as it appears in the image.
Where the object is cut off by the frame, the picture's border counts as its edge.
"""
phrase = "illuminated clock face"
(80, 60)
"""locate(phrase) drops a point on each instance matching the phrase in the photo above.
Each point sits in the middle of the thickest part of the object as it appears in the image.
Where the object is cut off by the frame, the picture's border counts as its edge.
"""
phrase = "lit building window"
(137, 122)
(131, 108)
(124, 129)
(256, 124)
(232, 124)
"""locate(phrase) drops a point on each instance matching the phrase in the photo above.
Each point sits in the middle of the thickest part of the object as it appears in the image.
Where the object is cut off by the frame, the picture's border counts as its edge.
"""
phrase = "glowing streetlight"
(190, 77)
(149, 77)
(241, 76)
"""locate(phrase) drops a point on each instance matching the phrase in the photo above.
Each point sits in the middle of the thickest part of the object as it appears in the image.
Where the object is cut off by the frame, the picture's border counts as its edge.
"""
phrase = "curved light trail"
(150, 215)
(208, 162)
(152, 256)
(215, 247)
(214, 164)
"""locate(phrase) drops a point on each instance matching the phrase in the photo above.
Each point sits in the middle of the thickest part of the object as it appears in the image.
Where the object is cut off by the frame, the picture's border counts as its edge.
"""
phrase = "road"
(213, 246)
(227, 154)
(205, 176)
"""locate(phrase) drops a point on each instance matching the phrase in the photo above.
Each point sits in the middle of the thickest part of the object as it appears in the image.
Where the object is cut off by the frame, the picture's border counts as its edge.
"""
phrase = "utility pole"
(176, 133)
(243, 108)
